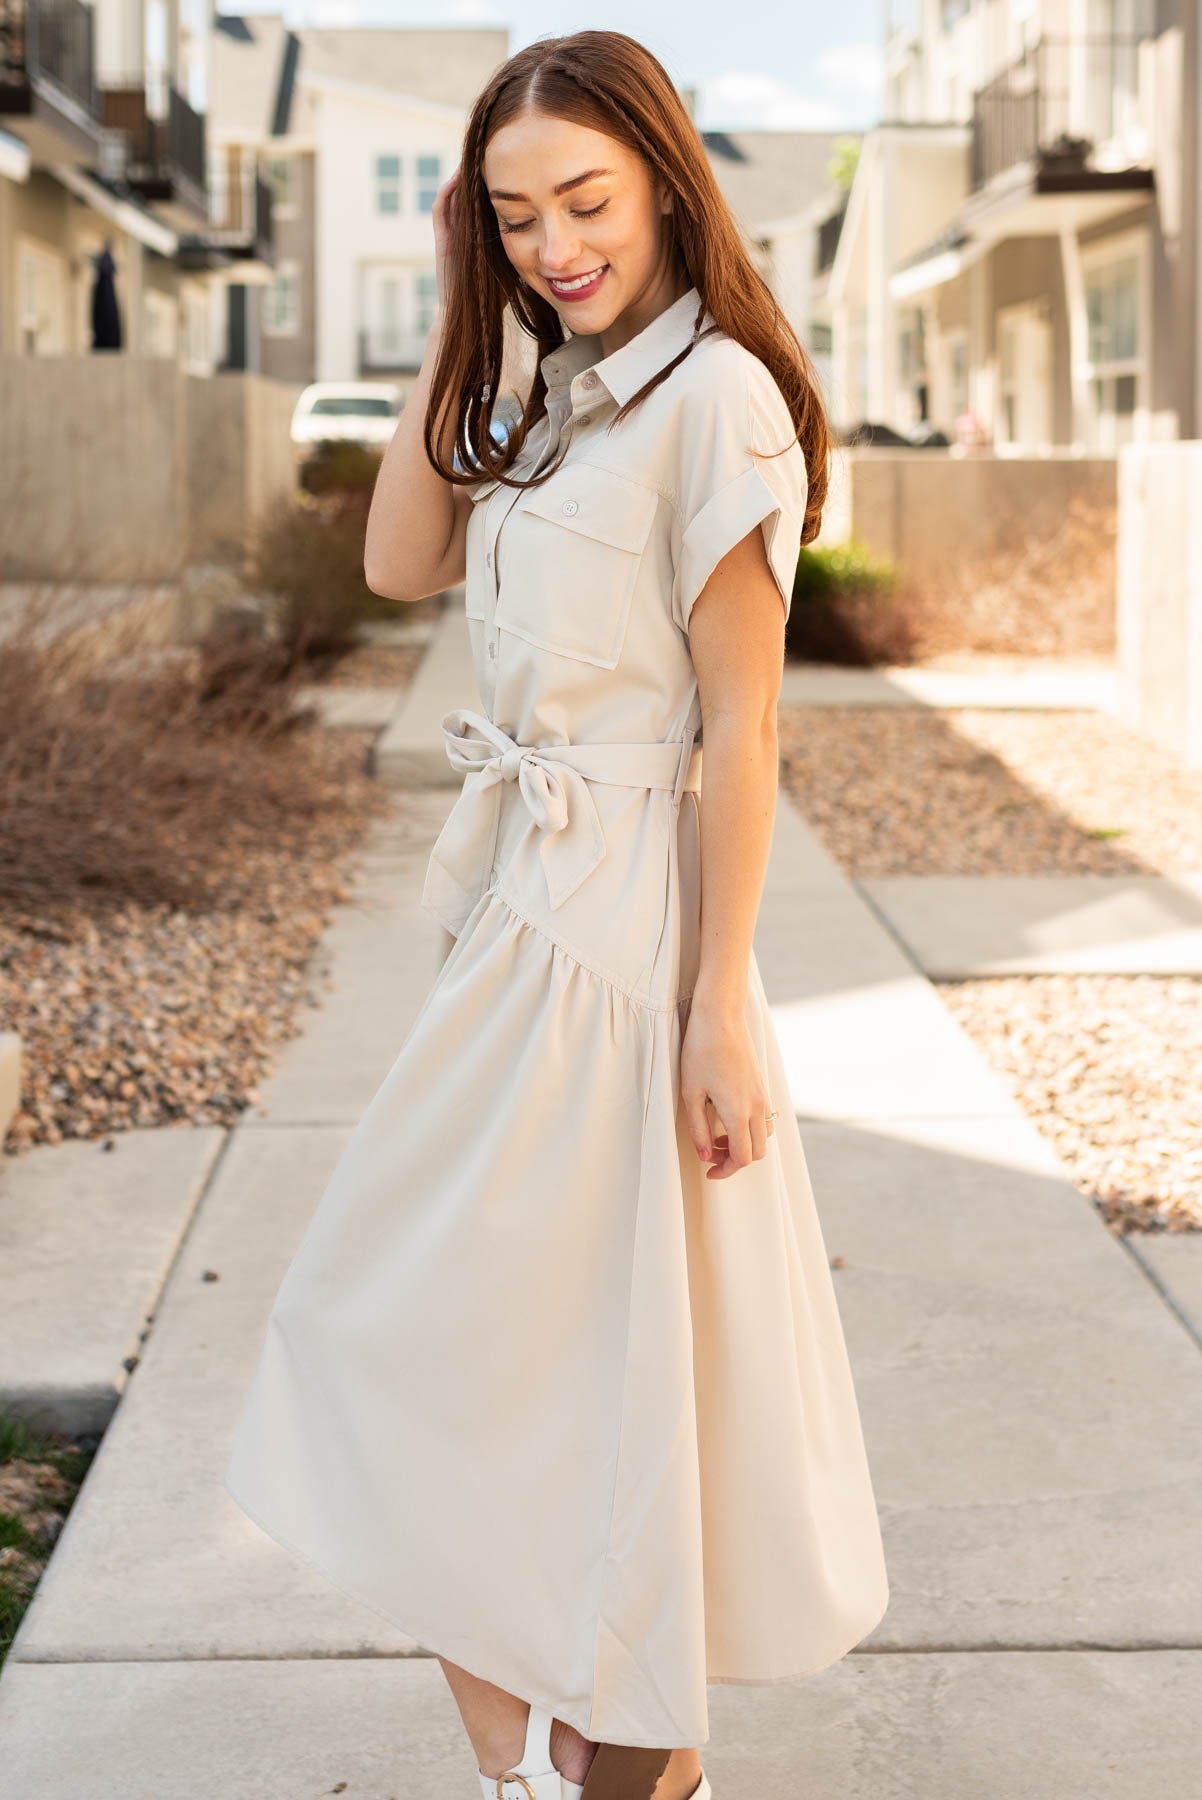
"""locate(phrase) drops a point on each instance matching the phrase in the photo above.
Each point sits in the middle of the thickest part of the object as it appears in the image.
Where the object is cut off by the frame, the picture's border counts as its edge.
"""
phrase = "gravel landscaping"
(155, 1015)
(908, 791)
(1107, 1066)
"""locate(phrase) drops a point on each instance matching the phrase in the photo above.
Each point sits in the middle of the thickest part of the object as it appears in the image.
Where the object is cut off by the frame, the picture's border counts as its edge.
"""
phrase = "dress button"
(488, 559)
(570, 506)
(492, 651)
(585, 419)
(590, 380)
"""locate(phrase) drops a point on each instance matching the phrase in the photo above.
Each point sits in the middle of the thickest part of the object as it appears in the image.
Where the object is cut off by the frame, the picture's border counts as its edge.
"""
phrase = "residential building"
(1018, 257)
(780, 185)
(354, 131)
(103, 146)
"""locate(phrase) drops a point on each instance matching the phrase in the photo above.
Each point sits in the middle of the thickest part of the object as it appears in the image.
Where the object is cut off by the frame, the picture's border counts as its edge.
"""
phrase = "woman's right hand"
(445, 203)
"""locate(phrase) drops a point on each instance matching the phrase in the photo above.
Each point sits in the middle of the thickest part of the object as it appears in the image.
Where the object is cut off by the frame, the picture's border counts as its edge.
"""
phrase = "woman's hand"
(445, 203)
(718, 1060)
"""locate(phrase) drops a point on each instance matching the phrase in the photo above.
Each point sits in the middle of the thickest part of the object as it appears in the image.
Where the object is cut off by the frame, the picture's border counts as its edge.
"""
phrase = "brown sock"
(624, 1772)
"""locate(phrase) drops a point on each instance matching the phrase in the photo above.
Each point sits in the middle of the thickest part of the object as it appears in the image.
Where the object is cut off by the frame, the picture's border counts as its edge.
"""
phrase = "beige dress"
(533, 1388)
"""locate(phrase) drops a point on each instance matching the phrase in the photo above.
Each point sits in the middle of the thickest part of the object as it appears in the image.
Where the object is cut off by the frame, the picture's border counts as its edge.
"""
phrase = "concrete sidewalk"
(1014, 684)
(1030, 1399)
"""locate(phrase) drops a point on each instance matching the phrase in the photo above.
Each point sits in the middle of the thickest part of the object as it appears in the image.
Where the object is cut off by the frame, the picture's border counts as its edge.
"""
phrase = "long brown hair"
(612, 84)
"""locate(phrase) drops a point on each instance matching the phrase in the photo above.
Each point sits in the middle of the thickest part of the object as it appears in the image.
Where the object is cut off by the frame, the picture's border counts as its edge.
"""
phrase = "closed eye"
(527, 223)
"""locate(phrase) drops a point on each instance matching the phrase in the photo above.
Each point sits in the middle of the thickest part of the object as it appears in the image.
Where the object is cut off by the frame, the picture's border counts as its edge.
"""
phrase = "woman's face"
(607, 227)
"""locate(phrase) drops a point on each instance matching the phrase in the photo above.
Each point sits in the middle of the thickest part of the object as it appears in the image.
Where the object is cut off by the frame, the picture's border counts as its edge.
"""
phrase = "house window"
(1117, 355)
(281, 302)
(426, 294)
(956, 351)
(388, 319)
(912, 362)
(194, 352)
(1024, 378)
(42, 287)
(160, 324)
(279, 172)
(428, 181)
(388, 183)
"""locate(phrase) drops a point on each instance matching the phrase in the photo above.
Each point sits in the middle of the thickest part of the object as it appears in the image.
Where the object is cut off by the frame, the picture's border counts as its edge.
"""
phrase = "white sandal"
(535, 1777)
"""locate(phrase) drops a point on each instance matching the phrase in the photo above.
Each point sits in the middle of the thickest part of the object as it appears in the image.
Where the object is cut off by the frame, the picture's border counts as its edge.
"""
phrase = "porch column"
(881, 336)
(1078, 333)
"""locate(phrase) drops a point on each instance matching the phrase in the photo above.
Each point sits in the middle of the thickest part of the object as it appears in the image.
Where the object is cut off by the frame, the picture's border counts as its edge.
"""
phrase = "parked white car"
(346, 412)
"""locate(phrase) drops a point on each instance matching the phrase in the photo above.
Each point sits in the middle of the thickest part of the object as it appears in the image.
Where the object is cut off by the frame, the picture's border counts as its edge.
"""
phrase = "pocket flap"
(596, 502)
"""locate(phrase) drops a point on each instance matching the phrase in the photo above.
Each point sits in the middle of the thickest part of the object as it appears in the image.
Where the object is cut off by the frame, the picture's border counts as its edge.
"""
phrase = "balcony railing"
(186, 138)
(48, 40)
(159, 149)
(240, 207)
(1071, 92)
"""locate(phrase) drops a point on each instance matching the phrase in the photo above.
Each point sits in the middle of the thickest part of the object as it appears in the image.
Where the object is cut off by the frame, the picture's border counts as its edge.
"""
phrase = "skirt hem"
(566, 1714)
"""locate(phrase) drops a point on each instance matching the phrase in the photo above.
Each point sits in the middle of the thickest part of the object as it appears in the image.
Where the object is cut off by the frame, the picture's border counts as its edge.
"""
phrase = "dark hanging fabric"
(106, 314)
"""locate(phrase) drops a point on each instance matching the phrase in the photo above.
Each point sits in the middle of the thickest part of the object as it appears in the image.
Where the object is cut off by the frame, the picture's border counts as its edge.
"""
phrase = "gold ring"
(771, 1115)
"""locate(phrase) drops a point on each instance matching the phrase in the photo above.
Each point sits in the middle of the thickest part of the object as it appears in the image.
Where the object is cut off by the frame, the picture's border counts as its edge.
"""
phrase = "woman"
(556, 1381)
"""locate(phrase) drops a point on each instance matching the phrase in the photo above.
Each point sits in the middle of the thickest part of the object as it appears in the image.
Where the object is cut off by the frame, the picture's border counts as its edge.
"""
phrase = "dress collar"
(626, 370)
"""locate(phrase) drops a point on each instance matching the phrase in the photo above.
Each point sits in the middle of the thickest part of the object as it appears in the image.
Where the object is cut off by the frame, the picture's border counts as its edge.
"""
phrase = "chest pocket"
(477, 575)
(570, 561)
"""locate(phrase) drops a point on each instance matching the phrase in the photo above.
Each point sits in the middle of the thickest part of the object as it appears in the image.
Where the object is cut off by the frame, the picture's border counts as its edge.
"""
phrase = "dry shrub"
(1049, 593)
(332, 467)
(308, 551)
(151, 777)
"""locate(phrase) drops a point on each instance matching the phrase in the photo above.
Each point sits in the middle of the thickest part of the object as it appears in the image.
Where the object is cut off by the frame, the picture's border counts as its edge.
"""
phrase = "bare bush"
(128, 774)
(335, 467)
(308, 552)
(1042, 594)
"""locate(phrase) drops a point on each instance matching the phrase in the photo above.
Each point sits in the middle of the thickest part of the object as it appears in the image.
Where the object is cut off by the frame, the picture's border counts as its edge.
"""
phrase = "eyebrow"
(562, 187)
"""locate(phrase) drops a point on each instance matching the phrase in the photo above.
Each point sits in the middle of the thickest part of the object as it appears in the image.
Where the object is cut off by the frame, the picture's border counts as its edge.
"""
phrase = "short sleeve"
(723, 489)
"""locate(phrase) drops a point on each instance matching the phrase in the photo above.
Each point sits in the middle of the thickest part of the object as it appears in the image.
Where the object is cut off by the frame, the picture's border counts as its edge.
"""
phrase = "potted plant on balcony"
(1065, 155)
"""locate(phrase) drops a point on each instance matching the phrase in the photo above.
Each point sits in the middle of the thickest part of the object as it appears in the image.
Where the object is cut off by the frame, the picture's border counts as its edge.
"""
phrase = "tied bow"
(556, 796)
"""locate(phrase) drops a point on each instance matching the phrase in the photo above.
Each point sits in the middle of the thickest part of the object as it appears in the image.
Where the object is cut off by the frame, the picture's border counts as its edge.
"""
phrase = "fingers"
(759, 1136)
(699, 1125)
(746, 1143)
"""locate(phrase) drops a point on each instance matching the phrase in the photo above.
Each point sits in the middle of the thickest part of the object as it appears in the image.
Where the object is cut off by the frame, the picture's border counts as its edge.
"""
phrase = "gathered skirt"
(538, 1392)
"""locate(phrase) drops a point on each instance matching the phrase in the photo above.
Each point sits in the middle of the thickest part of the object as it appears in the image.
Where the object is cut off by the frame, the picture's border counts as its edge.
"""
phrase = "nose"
(561, 248)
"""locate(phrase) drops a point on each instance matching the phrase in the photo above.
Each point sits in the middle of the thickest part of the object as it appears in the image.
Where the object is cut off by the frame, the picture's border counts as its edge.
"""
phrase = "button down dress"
(533, 1388)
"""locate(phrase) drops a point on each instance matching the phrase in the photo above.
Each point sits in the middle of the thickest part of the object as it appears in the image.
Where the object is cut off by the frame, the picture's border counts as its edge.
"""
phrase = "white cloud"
(743, 100)
(852, 69)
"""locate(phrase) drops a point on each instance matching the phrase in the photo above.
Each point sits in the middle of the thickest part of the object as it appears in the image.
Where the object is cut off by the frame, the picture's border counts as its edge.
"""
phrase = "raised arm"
(417, 524)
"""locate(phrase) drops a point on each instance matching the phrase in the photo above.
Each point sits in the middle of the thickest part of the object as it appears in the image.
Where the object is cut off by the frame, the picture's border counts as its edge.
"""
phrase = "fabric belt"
(553, 780)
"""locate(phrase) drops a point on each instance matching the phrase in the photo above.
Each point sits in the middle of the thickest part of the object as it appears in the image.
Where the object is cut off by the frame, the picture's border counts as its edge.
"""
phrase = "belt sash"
(553, 780)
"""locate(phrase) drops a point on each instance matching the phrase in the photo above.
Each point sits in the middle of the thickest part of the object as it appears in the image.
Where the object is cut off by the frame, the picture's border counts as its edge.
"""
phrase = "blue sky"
(803, 67)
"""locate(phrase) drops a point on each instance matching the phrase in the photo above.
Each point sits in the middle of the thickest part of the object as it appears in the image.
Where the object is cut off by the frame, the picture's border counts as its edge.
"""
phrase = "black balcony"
(165, 153)
(1051, 108)
(47, 75)
(239, 226)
